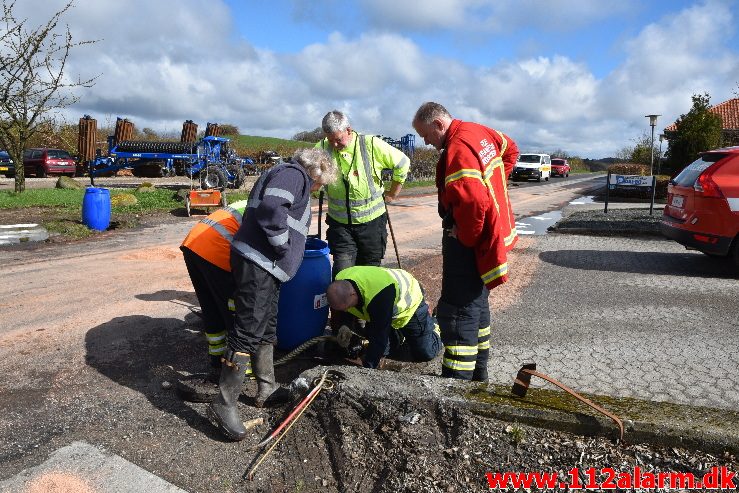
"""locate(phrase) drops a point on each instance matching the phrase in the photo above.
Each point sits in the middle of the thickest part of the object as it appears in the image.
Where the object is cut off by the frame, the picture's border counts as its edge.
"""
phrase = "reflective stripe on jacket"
(211, 237)
(356, 197)
(276, 224)
(471, 178)
(372, 280)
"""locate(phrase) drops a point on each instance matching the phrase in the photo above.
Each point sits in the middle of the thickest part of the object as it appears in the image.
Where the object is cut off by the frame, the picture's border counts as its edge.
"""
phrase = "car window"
(528, 158)
(687, 176)
(36, 155)
(58, 154)
(27, 154)
(558, 161)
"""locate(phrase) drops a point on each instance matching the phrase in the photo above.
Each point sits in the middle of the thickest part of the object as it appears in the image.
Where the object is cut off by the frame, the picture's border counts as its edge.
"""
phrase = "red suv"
(702, 210)
(42, 162)
(560, 167)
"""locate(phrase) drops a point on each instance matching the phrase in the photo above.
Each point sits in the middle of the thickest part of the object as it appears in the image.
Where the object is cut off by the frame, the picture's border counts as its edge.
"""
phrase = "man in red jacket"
(479, 231)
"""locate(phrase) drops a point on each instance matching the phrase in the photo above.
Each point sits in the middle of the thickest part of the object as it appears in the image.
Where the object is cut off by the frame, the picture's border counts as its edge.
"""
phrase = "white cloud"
(500, 16)
(363, 67)
(164, 62)
(685, 53)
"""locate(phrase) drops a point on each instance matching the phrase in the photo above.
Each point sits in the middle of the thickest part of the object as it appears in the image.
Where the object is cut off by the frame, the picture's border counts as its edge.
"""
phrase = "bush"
(423, 165)
(629, 169)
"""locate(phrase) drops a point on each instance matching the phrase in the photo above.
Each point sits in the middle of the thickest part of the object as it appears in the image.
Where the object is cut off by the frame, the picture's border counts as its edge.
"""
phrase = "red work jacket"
(471, 177)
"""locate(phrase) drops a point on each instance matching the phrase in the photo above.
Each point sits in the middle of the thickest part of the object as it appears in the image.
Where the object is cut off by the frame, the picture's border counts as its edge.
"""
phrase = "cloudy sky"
(577, 75)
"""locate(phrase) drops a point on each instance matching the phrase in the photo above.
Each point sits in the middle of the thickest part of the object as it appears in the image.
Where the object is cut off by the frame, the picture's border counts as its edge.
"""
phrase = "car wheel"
(736, 253)
(538, 178)
(41, 172)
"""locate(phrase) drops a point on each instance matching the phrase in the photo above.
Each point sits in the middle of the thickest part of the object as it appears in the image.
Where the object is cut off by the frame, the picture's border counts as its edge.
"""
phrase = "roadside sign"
(630, 182)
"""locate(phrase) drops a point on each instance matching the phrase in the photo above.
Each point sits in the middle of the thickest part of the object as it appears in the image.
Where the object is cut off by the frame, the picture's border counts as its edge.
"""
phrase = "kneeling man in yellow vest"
(391, 302)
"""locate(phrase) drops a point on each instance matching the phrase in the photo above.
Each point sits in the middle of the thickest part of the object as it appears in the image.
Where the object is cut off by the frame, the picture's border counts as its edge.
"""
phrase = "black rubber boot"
(481, 366)
(269, 392)
(480, 375)
(224, 408)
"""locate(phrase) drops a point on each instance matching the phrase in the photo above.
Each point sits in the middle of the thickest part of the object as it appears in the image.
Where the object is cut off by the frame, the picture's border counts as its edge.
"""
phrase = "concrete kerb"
(654, 423)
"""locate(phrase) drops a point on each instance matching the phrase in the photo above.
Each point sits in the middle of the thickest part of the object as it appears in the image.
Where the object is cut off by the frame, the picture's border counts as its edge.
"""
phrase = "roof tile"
(729, 112)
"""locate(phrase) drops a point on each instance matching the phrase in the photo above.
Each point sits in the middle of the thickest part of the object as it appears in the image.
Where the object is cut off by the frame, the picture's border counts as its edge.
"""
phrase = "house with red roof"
(729, 113)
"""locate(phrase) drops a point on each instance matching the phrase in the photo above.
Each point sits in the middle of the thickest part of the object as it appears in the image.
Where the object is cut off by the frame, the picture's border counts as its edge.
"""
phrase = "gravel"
(631, 221)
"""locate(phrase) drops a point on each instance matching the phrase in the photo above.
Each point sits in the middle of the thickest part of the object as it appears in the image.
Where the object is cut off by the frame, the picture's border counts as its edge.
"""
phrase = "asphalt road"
(90, 331)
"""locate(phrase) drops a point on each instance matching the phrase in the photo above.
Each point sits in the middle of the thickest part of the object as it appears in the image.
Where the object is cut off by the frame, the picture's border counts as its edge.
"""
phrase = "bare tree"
(33, 85)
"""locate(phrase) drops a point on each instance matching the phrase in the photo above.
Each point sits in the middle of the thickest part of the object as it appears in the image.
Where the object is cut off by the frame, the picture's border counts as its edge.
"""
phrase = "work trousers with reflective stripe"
(255, 298)
(356, 244)
(463, 313)
(419, 336)
(214, 289)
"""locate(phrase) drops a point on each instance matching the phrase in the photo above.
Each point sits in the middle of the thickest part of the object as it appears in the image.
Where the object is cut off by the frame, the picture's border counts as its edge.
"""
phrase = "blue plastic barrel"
(303, 309)
(96, 208)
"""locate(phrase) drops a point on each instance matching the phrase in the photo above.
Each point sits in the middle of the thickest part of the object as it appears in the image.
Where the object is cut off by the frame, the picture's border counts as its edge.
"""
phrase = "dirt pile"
(349, 441)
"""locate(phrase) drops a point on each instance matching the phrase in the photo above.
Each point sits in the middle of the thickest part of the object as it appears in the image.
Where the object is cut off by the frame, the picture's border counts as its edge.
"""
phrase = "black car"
(6, 165)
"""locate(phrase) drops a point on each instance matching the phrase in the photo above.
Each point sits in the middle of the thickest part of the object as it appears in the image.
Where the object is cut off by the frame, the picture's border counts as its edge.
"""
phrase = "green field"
(252, 146)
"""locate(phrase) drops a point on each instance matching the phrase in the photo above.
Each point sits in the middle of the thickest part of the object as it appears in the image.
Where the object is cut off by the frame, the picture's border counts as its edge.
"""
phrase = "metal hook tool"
(523, 379)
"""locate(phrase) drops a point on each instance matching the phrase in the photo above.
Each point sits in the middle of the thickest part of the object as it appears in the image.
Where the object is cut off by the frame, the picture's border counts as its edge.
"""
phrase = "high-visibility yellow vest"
(371, 280)
(211, 237)
(356, 197)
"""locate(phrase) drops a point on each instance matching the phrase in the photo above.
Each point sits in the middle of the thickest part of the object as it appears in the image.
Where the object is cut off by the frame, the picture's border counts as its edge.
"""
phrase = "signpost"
(630, 182)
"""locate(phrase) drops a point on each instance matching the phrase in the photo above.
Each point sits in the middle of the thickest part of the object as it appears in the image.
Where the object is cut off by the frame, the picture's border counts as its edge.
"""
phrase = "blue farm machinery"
(209, 159)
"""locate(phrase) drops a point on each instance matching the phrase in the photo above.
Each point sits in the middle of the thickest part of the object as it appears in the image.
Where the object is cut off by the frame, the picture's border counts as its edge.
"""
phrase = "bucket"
(96, 208)
(302, 307)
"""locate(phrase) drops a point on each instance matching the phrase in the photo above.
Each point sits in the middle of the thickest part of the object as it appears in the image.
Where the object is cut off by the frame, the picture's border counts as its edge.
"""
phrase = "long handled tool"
(392, 233)
(289, 421)
(320, 212)
(523, 379)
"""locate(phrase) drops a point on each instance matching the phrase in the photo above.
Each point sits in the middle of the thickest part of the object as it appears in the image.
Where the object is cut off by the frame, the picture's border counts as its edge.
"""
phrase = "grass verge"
(60, 210)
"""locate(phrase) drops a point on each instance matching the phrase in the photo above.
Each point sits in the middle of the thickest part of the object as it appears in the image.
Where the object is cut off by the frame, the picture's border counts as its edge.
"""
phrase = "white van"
(537, 166)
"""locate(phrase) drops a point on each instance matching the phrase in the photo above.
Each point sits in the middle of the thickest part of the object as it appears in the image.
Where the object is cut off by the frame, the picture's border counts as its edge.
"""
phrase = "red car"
(702, 210)
(42, 162)
(560, 167)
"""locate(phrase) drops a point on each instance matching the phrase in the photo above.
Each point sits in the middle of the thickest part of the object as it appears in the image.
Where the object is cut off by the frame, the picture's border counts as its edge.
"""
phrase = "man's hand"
(392, 194)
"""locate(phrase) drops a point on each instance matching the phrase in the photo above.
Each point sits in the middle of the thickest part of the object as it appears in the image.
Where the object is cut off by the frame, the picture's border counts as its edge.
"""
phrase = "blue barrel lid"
(315, 247)
(96, 190)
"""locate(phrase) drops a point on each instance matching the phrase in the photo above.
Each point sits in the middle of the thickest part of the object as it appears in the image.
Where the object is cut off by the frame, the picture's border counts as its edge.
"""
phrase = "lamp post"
(652, 123)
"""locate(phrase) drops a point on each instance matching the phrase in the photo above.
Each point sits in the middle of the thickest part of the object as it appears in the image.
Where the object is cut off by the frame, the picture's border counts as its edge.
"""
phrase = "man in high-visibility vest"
(356, 214)
(391, 302)
(207, 252)
(479, 231)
